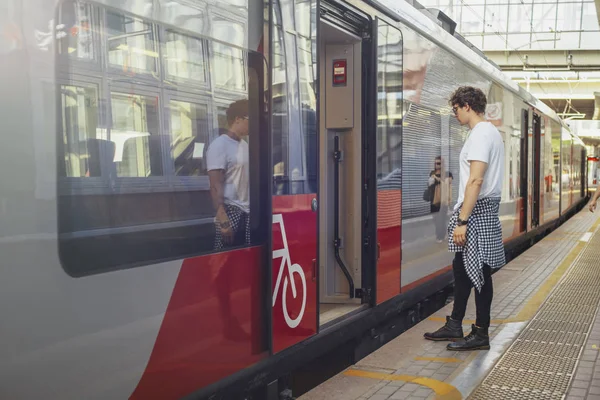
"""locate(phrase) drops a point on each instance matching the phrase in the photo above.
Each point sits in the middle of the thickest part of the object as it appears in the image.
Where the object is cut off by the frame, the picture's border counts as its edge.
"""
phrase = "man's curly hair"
(472, 96)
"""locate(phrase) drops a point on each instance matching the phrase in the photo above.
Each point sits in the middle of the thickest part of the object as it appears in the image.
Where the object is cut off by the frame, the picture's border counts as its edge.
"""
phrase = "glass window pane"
(494, 42)
(567, 40)
(76, 31)
(496, 18)
(520, 18)
(544, 18)
(189, 136)
(182, 16)
(131, 43)
(590, 40)
(543, 41)
(134, 131)
(472, 19)
(184, 57)
(590, 19)
(79, 106)
(569, 17)
(389, 103)
(228, 61)
(519, 41)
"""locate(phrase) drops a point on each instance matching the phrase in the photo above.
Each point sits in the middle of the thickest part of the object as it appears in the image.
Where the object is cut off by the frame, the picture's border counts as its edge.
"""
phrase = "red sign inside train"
(340, 72)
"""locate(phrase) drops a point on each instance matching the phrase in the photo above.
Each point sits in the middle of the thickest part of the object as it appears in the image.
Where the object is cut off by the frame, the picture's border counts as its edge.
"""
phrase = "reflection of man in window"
(227, 165)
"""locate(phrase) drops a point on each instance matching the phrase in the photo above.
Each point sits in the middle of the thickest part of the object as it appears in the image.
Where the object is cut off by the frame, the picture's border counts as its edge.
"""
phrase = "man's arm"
(215, 178)
(476, 174)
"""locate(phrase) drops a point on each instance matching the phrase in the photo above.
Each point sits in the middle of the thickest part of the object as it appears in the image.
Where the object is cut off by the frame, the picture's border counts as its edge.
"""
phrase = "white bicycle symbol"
(286, 261)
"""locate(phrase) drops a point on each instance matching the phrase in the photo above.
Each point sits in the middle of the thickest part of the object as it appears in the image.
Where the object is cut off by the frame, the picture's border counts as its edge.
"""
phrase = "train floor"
(544, 337)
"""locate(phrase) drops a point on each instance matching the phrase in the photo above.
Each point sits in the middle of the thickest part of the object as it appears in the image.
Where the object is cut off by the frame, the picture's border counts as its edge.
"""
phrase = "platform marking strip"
(442, 390)
(586, 237)
(439, 359)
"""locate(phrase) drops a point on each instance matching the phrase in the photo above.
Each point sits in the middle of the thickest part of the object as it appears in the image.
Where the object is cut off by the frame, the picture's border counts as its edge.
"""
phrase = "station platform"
(544, 337)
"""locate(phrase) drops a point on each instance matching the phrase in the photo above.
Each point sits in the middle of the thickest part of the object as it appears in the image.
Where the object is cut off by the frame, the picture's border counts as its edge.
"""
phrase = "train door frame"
(376, 245)
(355, 22)
(524, 184)
(536, 125)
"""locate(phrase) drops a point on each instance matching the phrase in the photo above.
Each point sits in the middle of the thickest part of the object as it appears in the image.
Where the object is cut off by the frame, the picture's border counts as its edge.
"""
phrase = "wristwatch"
(460, 222)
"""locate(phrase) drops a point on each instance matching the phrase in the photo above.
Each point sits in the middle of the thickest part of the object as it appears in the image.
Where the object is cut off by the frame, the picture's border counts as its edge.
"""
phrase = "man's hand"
(460, 235)
(593, 205)
(225, 225)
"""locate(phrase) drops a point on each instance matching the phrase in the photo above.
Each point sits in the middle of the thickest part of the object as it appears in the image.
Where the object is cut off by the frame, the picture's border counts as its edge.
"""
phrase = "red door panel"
(294, 314)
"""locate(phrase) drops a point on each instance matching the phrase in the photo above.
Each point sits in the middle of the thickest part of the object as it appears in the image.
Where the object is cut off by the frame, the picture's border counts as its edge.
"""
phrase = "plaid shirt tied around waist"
(484, 239)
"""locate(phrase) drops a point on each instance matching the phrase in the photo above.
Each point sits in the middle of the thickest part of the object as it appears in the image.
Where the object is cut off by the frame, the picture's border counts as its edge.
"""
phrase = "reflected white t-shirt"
(485, 144)
(232, 157)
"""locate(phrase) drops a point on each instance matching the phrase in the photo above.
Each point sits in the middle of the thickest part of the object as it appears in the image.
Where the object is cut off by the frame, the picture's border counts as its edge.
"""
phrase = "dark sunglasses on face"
(455, 109)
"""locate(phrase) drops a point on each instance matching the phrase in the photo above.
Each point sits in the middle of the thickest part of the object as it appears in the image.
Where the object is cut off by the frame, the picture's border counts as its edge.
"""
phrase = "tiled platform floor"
(410, 367)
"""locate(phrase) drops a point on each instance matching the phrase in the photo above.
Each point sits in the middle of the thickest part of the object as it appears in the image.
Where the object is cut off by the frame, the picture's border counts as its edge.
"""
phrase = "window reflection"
(135, 121)
(229, 61)
(77, 31)
(389, 106)
(189, 134)
(131, 43)
(184, 57)
(80, 123)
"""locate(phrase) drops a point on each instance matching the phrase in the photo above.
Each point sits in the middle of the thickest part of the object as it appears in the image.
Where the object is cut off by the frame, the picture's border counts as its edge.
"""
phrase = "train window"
(76, 31)
(184, 57)
(294, 102)
(228, 60)
(131, 43)
(189, 137)
(389, 104)
(134, 130)
(80, 133)
(137, 154)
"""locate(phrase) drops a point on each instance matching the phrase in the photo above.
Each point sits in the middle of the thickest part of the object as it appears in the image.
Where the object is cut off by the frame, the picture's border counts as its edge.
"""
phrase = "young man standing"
(475, 233)
(228, 173)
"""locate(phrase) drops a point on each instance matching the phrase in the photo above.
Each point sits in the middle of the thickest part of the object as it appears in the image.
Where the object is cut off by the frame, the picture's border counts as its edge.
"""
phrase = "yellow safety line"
(439, 359)
(533, 304)
(443, 391)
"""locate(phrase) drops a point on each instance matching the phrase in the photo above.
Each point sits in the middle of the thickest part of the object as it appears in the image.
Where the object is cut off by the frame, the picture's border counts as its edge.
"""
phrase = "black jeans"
(462, 290)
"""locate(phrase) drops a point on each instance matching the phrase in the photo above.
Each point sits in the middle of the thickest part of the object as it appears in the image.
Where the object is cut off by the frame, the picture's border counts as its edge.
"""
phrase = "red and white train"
(111, 287)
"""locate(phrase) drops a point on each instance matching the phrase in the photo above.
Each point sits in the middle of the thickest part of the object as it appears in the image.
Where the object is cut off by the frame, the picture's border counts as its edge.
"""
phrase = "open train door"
(385, 158)
(537, 178)
(524, 169)
(294, 294)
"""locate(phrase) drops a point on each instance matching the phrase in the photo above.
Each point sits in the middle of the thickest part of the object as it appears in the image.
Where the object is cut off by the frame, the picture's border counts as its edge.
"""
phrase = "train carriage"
(113, 286)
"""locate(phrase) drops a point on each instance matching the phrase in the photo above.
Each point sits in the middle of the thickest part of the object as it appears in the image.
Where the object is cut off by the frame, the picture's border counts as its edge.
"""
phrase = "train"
(112, 286)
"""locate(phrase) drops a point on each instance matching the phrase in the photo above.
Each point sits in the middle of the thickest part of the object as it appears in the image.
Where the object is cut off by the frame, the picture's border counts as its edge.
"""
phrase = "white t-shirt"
(231, 156)
(485, 144)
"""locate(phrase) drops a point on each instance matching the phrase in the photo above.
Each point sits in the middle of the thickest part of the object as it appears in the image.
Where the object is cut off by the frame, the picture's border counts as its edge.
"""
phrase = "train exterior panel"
(113, 286)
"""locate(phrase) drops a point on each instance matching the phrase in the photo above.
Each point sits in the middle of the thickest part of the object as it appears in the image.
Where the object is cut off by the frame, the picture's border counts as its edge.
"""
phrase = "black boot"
(451, 331)
(478, 339)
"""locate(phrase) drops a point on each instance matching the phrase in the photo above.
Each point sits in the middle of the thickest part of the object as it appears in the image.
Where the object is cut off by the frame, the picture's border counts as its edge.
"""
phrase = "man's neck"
(233, 135)
(475, 120)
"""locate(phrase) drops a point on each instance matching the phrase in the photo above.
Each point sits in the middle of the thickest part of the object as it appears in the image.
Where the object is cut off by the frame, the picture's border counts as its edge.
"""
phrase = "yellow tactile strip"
(541, 362)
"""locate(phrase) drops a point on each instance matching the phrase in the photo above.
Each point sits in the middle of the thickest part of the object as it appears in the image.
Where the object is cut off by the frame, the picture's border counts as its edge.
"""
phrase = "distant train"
(111, 286)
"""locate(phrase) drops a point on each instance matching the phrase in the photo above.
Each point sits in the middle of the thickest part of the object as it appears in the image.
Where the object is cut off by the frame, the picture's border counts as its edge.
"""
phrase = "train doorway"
(340, 46)
(537, 173)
